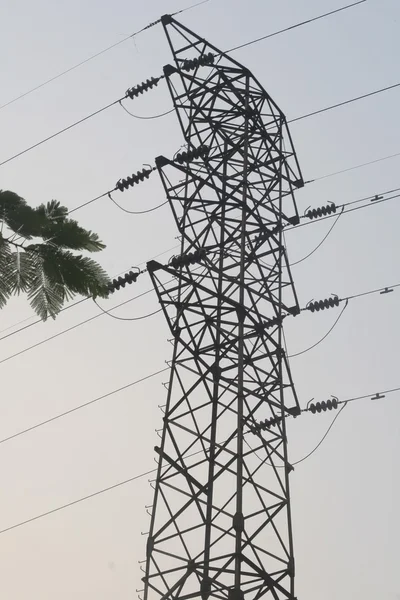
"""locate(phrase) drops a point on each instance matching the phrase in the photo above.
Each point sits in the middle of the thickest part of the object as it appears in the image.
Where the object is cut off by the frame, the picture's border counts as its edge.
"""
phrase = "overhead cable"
(79, 500)
(324, 337)
(136, 212)
(108, 313)
(131, 93)
(270, 35)
(297, 262)
(360, 166)
(80, 64)
(52, 337)
(297, 462)
(329, 211)
(126, 481)
(96, 55)
(147, 118)
(56, 335)
(88, 202)
(39, 320)
(374, 396)
(335, 301)
(57, 133)
(373, 202)
(140, 176)
(385, 290)
(81, 300)
(333, 106)
(80, 406)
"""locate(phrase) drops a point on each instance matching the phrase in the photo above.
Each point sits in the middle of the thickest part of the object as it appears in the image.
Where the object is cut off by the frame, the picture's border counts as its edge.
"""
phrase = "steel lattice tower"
(221, 521)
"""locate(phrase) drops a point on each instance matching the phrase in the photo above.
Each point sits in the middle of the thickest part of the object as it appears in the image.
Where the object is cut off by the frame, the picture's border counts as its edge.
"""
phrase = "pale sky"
(345, 497)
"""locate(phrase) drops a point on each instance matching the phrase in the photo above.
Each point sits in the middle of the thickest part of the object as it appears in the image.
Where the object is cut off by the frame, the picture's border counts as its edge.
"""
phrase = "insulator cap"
(142, 87)
(188, 259)
(201, 61)
(323, 406)
(122, 281)
(193, 154)
(124, 184)
(317, 305)
(322, 211)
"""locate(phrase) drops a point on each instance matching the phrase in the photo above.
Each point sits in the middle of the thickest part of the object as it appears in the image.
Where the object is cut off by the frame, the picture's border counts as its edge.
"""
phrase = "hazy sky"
(346, 496)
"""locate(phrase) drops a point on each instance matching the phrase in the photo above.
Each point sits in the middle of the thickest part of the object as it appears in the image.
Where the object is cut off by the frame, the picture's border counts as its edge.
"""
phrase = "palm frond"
(5, 253)
(54, 210)
(21, 271)
(77, 274)
(68, 234)
(49, 272)
(46, 298)
(19, 216)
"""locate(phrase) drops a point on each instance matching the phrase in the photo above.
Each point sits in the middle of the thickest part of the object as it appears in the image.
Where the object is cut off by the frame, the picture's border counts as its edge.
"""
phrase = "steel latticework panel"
(221, 523)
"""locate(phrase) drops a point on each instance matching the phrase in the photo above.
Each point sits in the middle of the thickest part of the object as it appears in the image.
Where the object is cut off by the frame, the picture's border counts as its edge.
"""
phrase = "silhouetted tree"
(38, 256)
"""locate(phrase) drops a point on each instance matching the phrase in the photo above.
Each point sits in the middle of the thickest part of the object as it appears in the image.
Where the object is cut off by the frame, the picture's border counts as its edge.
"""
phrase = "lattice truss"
(220, 523)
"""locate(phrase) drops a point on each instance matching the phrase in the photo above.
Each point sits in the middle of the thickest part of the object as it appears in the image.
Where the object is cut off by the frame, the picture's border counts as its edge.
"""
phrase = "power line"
(371, 198)
(41, 321)
(297, 262)
(177, 246)
(79, 301)
(126, 481)
(384, 290)
(53, 135)
(38, 320)
(54, 510)
(178, 12)
(287, 229)
(322, 439)
(80, 64)
(374, 396)
(265, 37)
(136, 212)
(80, 406)
(107, 312)
(345, 212)
(150, 290)
(380, 290)
(346, 300)
(168, 112)
(174, 247)
(324, 337)
(93, 56)
(98, 493)
(56, 335)
(333, 106)
(119, 100)
(89, 201)
(52, 337)
(360, 166)
(160, 205)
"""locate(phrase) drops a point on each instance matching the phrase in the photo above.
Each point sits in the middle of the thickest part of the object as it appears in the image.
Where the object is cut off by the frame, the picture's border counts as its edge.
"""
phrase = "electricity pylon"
(221, 520)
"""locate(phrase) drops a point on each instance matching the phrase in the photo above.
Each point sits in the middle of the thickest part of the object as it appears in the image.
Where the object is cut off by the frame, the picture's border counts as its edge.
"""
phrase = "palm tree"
(37, 258)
